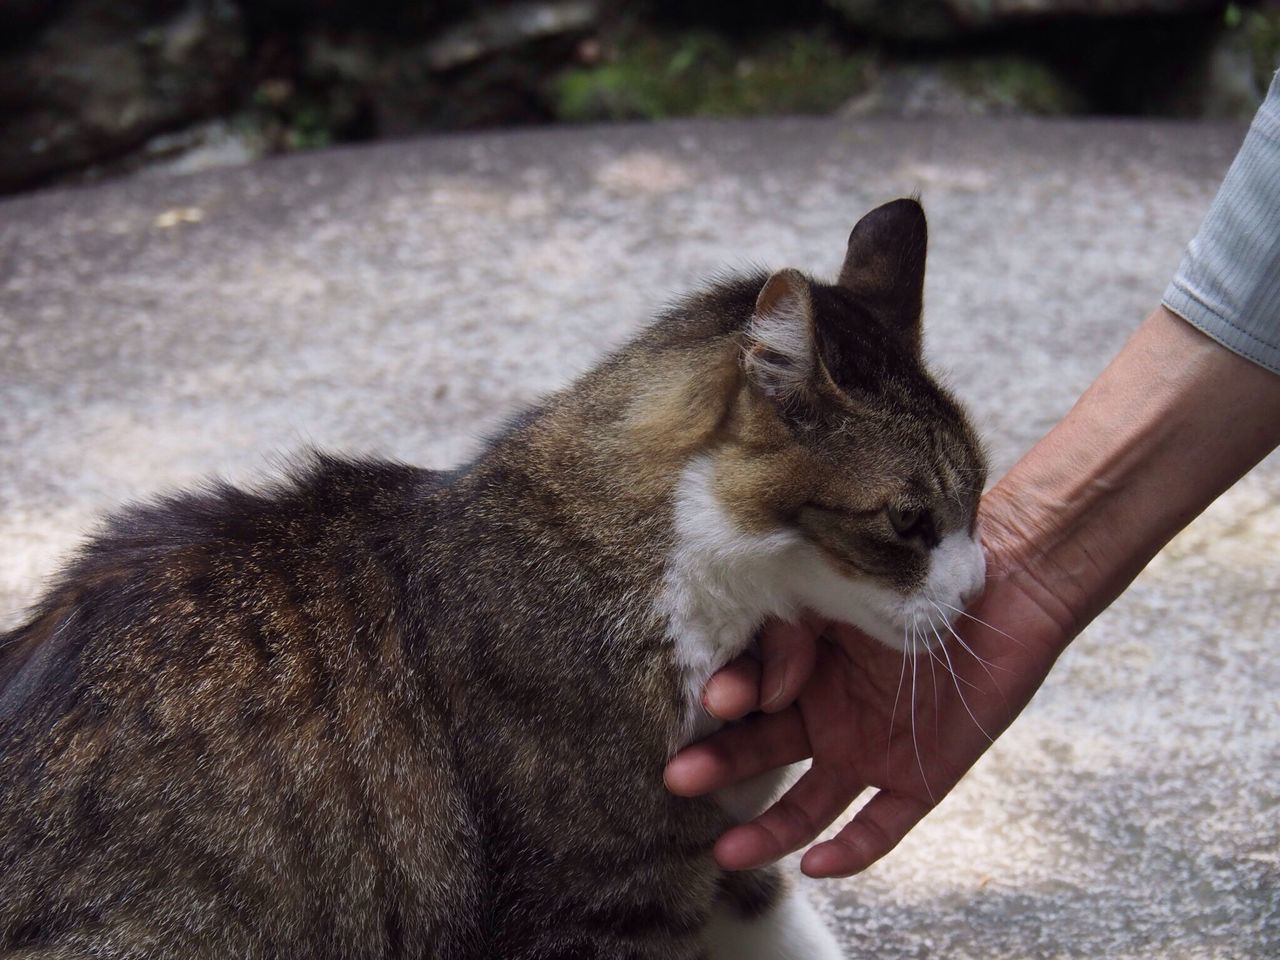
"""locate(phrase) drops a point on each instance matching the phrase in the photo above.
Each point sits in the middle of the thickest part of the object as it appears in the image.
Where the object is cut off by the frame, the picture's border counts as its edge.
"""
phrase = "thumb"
(788, 652)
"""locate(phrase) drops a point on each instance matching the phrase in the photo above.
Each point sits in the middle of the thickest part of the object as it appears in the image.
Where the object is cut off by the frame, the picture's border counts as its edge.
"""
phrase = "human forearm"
(1173, 421)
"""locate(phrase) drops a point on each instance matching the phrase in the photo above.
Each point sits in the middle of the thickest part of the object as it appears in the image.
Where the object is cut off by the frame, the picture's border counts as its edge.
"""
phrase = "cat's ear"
(884, 266)
(779, 351)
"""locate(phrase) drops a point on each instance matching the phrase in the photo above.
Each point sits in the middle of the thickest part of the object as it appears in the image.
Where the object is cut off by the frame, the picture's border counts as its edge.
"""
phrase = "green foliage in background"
(1261, 29)
(698, 73)
(1015, 84)
(282, 118)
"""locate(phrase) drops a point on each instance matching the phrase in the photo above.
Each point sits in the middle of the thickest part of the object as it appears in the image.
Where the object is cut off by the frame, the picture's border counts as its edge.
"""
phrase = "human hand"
(908, 725)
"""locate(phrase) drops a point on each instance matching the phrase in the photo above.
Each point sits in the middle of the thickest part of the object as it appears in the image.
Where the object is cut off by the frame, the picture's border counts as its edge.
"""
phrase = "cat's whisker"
(942, 644)
(933, 677)
(965, 613)
(981, 662)
(893, 715)
(946, 621)
(915, 744)
(959, 692)
(987, 665)
(937, 694)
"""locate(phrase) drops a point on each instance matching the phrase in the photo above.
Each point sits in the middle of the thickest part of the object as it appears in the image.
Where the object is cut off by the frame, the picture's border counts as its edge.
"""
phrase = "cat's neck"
(646, 433)
(623, 459)
(611, 451)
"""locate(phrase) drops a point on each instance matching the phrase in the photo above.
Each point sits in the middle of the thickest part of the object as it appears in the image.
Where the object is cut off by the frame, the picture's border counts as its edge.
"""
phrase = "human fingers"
(874, 831)
(733, 691)
(802, 813)
(788, 652)
(762, 742)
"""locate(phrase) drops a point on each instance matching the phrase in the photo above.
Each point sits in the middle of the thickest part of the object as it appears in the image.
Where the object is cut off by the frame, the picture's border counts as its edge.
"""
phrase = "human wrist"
(1170, 424)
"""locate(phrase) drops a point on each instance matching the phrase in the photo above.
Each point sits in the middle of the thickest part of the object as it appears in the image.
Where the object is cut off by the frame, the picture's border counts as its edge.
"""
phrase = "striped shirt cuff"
(1228, 284)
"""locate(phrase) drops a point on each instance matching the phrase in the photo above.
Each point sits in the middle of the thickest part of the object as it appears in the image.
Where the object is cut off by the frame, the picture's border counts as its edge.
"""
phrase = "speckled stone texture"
(404, 298)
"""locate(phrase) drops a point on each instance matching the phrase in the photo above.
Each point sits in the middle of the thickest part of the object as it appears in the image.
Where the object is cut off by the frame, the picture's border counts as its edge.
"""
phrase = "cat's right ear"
(884, 266)
(778, 354)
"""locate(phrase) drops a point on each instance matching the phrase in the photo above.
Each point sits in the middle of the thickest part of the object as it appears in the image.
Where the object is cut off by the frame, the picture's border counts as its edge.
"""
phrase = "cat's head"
(842, 444)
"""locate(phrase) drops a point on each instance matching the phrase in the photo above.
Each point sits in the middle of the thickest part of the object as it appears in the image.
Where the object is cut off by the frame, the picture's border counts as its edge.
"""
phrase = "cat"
(379, 711)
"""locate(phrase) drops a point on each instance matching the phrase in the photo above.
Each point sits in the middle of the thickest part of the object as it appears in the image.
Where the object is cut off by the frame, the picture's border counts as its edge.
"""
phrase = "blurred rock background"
(94, 87)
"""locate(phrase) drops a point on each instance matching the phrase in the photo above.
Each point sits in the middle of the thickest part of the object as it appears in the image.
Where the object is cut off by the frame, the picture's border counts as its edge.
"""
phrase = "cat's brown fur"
(384, 712)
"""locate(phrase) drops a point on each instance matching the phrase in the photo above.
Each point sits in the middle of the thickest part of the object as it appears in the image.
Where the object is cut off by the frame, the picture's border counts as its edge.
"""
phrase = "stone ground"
(403, 298)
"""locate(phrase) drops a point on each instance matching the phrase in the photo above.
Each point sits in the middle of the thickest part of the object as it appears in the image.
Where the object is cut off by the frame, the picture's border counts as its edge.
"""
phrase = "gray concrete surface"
(403, 298)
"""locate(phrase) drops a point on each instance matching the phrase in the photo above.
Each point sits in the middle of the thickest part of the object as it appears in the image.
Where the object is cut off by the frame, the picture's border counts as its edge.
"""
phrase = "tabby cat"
(378, 711)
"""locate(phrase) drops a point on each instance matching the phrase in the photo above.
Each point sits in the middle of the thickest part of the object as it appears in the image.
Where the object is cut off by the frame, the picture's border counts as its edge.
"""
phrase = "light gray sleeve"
(1228, 284)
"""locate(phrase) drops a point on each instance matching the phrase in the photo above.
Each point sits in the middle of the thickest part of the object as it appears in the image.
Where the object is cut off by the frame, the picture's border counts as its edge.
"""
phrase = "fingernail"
(774, 694)
(678, 767)
(708, 695)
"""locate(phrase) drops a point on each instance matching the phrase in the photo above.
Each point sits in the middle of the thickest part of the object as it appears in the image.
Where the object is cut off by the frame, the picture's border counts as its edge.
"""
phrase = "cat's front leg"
(101, 945)
(759, 916)
(562, 944)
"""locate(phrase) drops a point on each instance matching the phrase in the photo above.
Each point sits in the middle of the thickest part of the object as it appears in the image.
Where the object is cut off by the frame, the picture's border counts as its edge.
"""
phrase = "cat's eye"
(910, 523)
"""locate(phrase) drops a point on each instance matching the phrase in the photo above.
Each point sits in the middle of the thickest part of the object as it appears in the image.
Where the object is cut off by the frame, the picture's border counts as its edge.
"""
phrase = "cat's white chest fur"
(721, 584)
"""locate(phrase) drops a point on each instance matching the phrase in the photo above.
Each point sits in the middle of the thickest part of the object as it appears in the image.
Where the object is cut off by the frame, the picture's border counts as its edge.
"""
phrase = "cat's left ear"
(779, 350)
(884, 266)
